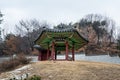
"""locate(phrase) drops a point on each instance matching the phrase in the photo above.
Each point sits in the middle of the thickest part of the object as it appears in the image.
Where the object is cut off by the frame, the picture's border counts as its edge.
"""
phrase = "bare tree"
(30, 29)
(102, 25)
(1, 15)
(111, 30)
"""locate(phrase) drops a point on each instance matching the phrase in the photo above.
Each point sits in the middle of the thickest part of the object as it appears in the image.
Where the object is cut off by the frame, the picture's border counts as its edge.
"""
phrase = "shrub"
(31, 78)
(35, 77)
(22, 59)
(14, 62)
(8, 65)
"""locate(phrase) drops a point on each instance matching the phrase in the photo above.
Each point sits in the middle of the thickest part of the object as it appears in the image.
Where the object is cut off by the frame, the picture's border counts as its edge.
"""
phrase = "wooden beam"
(73, 54)
(66, 43)
(39, 56)
(55, 55)
(53, 51)
(48, 50)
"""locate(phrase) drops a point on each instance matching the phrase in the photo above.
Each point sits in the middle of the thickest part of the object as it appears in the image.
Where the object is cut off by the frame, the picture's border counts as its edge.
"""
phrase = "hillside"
(69, 70)
(97, 45)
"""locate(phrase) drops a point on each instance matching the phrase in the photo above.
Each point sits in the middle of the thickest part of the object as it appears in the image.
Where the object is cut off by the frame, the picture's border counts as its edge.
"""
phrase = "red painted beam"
(73, 53)
(48, 53)
(66, 50)
(55, 56)
(53, 51)
(39, 56)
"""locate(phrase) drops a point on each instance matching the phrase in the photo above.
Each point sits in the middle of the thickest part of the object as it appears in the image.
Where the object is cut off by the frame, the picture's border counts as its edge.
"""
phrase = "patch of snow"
(22, 68)
(4, 79)
(18, 73)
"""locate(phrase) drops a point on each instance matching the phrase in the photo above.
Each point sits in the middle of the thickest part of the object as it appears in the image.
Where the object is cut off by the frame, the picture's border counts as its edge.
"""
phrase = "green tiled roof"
(59, 36)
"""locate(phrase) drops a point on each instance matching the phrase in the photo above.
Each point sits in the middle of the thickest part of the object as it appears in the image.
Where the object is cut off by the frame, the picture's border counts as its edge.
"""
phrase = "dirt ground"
(75, 70)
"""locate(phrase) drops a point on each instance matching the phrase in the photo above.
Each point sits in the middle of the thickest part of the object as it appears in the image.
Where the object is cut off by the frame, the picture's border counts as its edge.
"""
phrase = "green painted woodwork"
(73, 38)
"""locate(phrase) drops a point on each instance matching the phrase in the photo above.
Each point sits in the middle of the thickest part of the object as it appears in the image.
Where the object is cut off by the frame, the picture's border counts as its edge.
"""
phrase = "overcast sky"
(56, 11)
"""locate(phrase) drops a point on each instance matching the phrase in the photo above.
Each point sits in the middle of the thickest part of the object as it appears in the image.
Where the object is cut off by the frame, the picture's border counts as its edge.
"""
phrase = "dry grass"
(75, 70)
(78, 70)
(13, 63)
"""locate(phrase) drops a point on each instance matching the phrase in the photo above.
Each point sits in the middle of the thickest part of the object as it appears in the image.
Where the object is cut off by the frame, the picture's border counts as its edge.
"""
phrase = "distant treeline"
(99, 29)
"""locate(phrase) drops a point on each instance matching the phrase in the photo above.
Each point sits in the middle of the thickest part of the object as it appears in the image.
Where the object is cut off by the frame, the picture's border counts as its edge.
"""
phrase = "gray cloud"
(56, 11)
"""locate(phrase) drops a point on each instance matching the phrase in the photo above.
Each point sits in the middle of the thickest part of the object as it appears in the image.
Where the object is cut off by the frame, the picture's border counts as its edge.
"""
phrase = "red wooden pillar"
(66, 50)
(55, 56)
(48, 52)
(53, 51)
(39, 56)
(73, 54)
